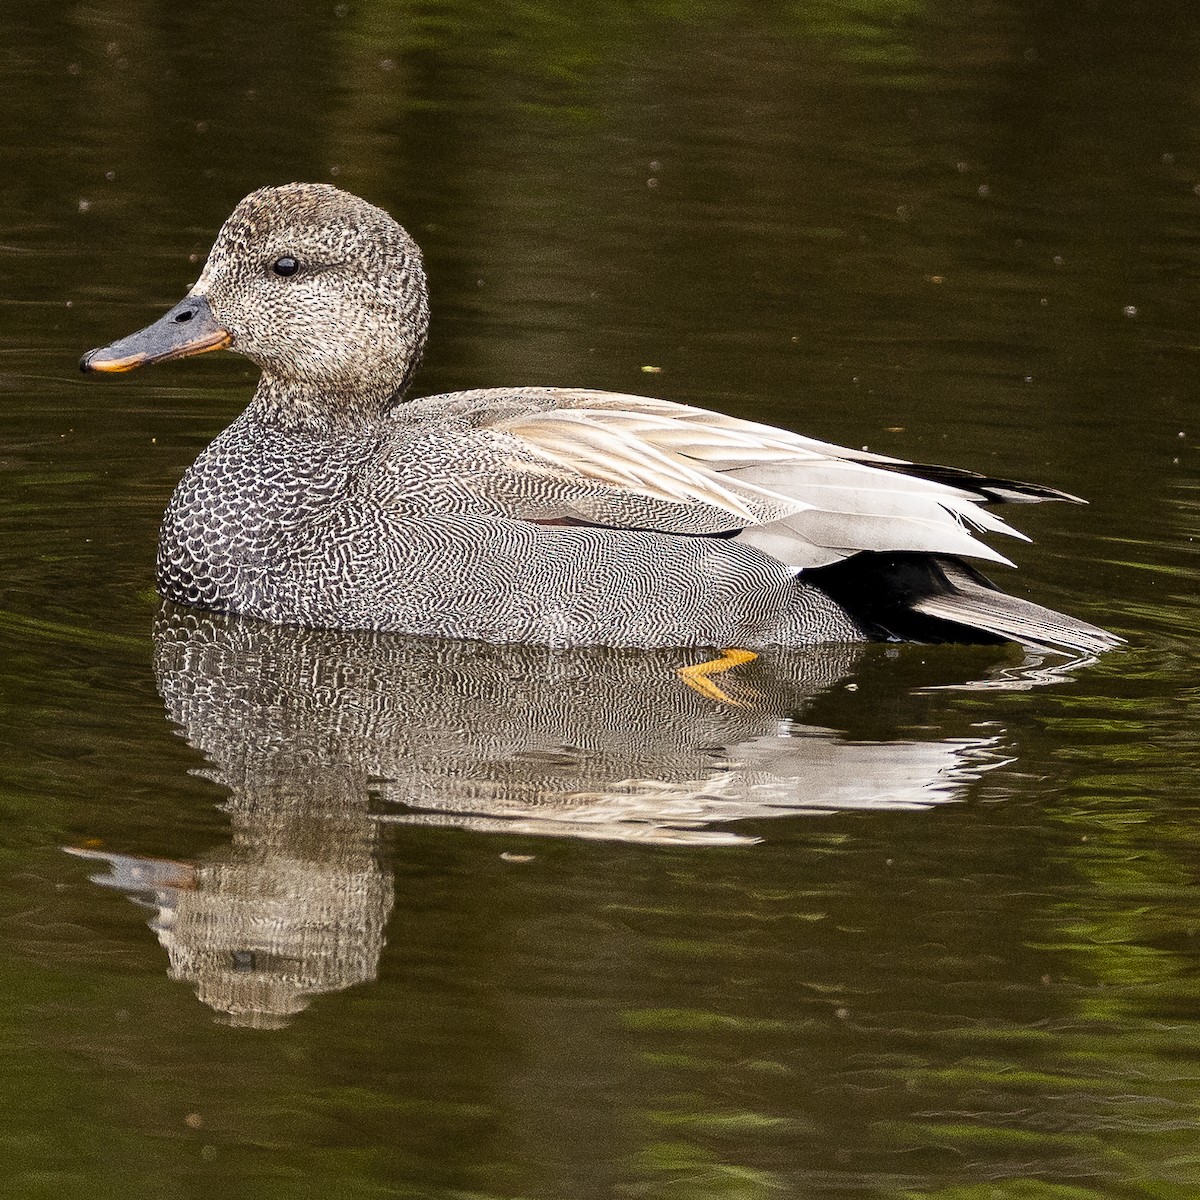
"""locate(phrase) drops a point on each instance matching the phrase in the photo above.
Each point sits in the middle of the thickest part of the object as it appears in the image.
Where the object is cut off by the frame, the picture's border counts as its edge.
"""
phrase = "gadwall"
(551, 516)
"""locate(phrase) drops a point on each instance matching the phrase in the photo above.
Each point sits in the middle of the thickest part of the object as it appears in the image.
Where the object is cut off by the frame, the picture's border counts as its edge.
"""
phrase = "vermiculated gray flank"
(551, 516)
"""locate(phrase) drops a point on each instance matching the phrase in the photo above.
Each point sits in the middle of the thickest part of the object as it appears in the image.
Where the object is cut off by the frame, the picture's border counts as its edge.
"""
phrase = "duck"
(552, 516)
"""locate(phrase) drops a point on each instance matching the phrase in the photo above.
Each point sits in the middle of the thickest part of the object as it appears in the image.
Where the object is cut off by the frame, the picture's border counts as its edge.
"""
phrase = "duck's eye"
(285, 266)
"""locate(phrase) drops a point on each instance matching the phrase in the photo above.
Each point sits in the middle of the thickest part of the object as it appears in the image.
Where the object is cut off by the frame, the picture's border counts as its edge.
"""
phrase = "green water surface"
(308, 916)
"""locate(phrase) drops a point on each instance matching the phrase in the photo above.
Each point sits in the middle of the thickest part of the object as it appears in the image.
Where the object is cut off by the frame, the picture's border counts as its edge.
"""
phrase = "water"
(435, 920)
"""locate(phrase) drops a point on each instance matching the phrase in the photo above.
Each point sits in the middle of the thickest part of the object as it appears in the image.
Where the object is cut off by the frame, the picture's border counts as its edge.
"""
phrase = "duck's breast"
(235, 531)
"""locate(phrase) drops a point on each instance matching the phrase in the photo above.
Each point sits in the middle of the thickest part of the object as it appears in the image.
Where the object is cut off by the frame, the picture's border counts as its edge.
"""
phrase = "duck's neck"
(285, 402)
(304, 408)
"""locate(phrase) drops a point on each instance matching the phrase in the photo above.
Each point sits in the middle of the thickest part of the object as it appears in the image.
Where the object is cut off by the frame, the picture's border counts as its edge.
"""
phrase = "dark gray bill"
(189, 328)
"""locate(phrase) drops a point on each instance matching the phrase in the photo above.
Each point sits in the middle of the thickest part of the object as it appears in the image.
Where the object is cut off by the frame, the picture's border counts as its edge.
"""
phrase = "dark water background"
(874, 934)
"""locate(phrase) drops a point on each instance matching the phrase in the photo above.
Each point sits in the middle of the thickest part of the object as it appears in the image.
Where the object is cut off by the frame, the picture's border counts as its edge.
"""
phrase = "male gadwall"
(552, 516)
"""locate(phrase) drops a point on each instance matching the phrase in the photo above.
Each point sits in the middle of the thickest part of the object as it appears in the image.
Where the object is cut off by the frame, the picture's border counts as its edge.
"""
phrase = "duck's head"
(322, 290)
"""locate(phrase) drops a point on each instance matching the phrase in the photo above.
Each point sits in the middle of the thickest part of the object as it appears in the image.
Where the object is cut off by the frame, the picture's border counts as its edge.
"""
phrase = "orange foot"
(699, 676)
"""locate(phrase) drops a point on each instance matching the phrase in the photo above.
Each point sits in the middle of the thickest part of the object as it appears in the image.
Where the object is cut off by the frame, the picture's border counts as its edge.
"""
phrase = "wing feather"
(804, 501)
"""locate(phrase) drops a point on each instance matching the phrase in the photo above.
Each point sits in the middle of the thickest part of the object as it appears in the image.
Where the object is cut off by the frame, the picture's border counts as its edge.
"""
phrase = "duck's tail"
(936, 598)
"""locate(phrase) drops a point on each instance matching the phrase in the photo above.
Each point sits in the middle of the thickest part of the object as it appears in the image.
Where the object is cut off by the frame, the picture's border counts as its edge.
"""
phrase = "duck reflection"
(324, 737)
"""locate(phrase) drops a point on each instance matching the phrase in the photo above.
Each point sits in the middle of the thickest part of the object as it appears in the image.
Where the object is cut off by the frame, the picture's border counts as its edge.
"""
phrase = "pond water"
(308, 915)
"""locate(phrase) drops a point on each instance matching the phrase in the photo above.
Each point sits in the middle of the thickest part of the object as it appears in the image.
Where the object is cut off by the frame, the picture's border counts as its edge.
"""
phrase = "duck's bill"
(189, 328)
